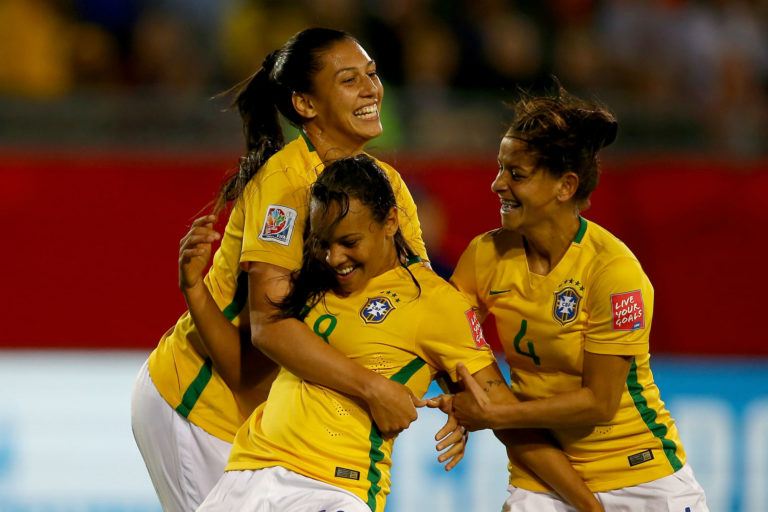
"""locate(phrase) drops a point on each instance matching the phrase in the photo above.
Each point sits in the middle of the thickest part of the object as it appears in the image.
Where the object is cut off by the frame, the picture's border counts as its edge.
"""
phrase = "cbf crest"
(376, 309)
(565, 306)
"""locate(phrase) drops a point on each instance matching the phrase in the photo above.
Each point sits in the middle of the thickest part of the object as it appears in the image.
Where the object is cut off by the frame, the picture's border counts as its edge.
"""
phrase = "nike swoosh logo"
(496, 292)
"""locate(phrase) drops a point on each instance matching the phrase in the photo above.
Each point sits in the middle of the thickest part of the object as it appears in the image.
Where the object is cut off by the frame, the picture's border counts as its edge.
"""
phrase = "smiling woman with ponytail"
(205, 376)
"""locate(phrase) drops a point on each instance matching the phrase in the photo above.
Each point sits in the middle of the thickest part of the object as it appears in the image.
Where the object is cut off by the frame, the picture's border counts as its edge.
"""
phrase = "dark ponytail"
(269, 92)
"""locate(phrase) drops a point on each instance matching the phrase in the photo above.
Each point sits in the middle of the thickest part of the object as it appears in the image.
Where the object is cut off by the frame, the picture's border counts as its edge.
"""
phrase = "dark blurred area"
(682, 75)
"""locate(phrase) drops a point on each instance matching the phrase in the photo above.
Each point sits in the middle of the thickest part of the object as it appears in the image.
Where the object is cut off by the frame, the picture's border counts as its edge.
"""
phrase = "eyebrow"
(367, 65)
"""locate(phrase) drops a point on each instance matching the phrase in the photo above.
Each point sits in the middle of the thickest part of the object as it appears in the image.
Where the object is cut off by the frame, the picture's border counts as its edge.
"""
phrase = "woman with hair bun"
(573, 309)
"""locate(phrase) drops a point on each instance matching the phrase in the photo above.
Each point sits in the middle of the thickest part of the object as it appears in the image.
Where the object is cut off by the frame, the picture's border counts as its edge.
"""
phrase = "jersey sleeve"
(275, 208)
(620, 306)
(464, 278)
(450, 332)
(407, 215)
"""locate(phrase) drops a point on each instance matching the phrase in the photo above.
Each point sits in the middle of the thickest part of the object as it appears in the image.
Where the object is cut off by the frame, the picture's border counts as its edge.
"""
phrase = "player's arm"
(292, 344)
(533, 448)
(596, 401)
(245, 370)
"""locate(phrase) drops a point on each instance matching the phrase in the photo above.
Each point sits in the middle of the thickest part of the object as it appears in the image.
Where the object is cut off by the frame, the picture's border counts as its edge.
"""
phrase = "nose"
(370, 86)
(499, 184)
(335, 255)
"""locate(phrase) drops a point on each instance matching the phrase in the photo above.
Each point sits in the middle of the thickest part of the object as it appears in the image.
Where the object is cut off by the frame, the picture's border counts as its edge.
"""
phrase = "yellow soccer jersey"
(390, 328)
(266, 224)
(596, 299)
(277, 201)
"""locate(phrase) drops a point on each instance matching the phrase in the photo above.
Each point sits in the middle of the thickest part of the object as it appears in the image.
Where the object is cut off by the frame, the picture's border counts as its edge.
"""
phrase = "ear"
(391, 223)
(567, 186)
(303, 105)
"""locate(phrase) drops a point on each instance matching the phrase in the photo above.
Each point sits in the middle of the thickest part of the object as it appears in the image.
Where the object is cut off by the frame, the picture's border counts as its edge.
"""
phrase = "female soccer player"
(573, 309)
(360, 289)
(184, 411)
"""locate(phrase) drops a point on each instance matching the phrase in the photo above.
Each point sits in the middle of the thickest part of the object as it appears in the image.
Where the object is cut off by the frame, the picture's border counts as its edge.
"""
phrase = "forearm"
(293, 345)
(219, 337)
(572, 409)
(536, 451)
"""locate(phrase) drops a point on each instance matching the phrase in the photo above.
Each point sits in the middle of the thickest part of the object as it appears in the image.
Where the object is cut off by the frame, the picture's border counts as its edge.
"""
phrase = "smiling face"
(357, 248)
(346, 98)
(528, 193)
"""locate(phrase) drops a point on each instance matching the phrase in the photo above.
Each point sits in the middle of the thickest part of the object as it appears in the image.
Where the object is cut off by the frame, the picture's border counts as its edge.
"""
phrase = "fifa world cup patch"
(628, 311)
(565, 306)
(477, 329)
(278, 224)
(376, 309)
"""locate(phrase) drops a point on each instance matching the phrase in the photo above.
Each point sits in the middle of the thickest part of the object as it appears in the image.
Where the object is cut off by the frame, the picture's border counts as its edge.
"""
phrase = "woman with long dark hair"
(193, 394)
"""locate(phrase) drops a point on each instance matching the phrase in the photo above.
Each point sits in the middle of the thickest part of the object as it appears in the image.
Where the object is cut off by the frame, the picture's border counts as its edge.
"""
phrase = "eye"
(516, 176)
(373, 74)
(349, 80)
(349, 244)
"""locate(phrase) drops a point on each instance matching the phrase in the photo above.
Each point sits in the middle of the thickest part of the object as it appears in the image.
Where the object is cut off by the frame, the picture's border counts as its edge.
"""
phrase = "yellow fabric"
(326, 435)
(284, 180)
(544, 346)
(284, 183)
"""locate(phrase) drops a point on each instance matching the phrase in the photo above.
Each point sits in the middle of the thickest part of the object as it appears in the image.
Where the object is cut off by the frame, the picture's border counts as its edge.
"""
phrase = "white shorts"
(183, 460)
(277, 489)
(678, 492)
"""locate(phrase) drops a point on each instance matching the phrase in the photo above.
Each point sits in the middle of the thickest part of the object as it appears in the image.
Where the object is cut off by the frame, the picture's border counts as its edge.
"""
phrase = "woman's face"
(357, 248)
(347, 96)
(528, 193)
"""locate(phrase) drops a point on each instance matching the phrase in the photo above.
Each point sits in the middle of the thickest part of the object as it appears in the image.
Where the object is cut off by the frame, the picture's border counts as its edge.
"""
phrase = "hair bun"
(611, 130)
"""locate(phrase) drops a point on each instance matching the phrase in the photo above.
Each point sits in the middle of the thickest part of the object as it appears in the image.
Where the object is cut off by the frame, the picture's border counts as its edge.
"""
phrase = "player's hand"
(472, 407)
(452, 437)
(195, 251)
(393, 407)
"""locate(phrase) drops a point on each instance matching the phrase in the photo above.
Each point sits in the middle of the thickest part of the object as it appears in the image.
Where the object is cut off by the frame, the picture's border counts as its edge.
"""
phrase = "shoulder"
(289, 168)
(436, 291)
(494, 244)
(610, 257)
(605, 247)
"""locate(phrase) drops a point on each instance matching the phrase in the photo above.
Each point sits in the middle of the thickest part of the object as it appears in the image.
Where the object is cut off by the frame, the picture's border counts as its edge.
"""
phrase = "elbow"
(604, 412)
(258, 336)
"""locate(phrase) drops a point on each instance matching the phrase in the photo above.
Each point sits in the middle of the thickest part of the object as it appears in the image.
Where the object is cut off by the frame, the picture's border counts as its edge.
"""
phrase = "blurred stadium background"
(110, 144)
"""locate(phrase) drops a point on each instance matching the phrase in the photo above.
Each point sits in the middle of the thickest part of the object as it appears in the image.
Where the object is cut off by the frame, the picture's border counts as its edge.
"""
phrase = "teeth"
(507, 205)
(368, 112)
(344, 271)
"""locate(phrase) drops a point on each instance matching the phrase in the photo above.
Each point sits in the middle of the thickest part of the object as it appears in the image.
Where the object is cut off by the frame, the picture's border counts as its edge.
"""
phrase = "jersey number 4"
(519, 338)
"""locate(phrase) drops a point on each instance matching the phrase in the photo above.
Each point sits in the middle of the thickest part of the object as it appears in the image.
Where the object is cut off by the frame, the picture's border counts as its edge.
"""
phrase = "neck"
(329, 147)
(547, 242)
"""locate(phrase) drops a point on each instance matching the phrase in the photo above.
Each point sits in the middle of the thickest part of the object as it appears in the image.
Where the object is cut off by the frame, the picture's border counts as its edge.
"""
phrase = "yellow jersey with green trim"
(596, 299)
(265, 224)
(390, 327)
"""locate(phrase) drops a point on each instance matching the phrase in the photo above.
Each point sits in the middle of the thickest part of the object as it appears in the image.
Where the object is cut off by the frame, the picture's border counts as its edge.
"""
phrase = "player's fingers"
(451, 424)
(205, 219)
(417, 402)
(452, 436)
(442, 402)
(471, 384)
(455, 460)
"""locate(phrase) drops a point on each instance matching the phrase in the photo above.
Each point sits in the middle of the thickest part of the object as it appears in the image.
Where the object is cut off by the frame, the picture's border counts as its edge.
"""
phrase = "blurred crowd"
(691, 72)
